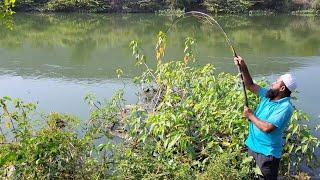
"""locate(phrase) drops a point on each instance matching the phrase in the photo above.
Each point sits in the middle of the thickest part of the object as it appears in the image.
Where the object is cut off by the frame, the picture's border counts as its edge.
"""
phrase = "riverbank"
(151, 6)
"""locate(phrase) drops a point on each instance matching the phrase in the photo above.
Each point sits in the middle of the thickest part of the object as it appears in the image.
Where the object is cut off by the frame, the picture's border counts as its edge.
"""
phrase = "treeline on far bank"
(139, 6)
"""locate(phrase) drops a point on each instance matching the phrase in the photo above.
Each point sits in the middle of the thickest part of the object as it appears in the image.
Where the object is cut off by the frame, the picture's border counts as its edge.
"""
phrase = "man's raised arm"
(246, 75)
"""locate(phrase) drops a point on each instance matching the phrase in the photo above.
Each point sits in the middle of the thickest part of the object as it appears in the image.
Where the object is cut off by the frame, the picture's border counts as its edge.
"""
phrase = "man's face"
(276, 88)
(277, 84)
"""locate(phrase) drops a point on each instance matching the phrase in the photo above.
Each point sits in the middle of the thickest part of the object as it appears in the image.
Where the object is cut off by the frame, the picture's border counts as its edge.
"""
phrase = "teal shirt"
(277, 113)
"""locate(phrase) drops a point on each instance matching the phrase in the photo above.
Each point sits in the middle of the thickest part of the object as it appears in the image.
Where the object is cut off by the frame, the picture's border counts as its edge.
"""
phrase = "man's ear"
(282, 88)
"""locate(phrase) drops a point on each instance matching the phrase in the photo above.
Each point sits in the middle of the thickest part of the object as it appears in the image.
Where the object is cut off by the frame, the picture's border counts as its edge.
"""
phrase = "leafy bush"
(222, 6)
(6, 13)
(71, 5)
(197, 115)
(53, 151)
(225, 167)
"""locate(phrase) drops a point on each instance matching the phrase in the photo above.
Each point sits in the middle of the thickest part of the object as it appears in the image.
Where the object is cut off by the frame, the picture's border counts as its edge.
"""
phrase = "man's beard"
(272, 93)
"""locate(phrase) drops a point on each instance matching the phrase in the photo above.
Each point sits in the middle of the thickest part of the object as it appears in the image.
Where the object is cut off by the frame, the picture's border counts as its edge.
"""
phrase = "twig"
(95, 105)
(8, 114)
(2, 133)
(158, 97)
(148, 69)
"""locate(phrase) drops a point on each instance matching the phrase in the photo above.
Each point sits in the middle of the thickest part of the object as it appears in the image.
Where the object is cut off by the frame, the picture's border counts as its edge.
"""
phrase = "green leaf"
(11, 157)
(304, 148)
(174, 141)
(295, 129)
(257, 171)
(291, 146)
(102, 147)
(219, 149)
(297, 149)
(304, 139)
(247, 159)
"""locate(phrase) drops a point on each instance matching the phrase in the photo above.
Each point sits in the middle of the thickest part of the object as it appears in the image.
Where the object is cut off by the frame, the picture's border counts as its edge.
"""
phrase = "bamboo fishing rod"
(213, 22)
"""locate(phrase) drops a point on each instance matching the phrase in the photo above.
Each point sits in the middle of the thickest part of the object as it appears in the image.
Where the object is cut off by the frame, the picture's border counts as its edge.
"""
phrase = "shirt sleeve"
(280, 116)
(262, 92)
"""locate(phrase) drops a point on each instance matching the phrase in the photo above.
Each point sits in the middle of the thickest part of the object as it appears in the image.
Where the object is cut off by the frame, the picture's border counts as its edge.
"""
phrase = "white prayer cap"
(290, 81)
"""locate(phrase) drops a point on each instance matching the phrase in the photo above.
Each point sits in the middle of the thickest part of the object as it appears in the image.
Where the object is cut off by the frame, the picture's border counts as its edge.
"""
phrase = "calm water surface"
(56, 59)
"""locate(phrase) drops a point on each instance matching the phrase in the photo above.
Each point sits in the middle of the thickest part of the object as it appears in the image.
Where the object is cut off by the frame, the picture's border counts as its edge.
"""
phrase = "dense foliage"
(6, 13)
(188, 124)
(221, 6)
(6, 7)
(213, 6)
(316, 5)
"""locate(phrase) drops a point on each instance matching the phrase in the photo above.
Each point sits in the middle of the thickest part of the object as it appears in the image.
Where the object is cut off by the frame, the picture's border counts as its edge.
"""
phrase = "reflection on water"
(57, 58)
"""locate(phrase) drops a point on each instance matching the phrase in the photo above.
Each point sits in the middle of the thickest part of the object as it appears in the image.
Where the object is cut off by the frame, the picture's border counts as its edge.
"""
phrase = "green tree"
(183, 4)
(6, 13)
(227, 6)
(274, 5)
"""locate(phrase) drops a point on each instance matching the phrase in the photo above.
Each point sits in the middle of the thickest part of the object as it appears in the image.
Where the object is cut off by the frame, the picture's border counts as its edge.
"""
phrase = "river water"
(55, 59)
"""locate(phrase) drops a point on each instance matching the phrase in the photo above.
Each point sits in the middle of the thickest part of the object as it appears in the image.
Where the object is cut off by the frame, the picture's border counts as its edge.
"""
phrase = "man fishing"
(269, 121)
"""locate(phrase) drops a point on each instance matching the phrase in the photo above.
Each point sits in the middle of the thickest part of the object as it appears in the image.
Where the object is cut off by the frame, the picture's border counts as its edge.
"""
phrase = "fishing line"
(213, 22)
